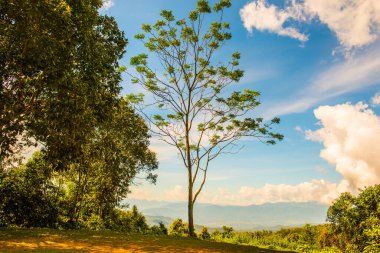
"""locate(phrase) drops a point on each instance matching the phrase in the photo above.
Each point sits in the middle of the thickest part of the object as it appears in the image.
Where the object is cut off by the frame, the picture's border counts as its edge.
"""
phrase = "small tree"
(197, 118)
(178, 228)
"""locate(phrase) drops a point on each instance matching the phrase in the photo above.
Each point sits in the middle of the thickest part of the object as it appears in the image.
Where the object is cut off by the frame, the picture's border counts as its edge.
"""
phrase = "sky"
(317, 66)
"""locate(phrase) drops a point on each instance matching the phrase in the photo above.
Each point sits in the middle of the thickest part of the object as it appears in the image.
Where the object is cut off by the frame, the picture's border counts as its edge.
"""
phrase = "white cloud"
(263, 17)
(107, 4)
(376, 99)
(314, 191)
(353, 74)
(355, 23)
(351, 136)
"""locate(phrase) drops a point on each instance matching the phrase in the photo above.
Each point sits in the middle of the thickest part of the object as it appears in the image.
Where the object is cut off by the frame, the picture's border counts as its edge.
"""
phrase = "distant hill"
(254, 217)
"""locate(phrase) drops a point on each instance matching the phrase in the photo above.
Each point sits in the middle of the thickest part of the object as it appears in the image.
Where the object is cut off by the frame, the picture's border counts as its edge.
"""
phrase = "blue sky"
(316, 64)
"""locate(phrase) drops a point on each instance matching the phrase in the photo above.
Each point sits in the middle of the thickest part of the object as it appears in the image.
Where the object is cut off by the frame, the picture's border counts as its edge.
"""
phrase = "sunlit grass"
(49, 240)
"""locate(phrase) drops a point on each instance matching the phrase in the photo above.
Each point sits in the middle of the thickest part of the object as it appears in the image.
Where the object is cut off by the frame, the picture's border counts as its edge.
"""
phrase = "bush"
(178, 228)
(227, 232)
(95, 222)
(28, 199)
(203, 234)
(128, 221)
(159, 229)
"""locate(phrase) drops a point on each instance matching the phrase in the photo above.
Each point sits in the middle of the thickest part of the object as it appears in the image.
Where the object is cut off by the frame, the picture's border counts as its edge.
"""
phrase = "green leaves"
(203, 6)
(193, 16)
(356, 220)
(59, 73)
(167, 15)
(140, 59)
(135, 98)
(221, 5)
(146, 28)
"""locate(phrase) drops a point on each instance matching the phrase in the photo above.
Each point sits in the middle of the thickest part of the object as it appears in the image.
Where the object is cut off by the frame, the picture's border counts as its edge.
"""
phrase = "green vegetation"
(356, 221)
(304, 239)
(59, 74)
(197, 116)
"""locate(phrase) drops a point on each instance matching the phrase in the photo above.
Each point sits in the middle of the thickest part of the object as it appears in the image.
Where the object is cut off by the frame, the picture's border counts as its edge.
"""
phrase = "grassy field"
(49, 240)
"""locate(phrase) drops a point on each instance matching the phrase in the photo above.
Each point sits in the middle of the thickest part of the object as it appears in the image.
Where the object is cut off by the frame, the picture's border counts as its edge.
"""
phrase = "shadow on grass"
(49, 240)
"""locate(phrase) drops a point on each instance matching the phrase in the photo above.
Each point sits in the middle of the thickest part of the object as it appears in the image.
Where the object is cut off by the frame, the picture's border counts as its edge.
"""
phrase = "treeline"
(34, 195)
(353, 227)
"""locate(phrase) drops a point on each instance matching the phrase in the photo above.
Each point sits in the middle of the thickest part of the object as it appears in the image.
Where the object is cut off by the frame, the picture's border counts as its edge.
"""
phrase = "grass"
(50, 240)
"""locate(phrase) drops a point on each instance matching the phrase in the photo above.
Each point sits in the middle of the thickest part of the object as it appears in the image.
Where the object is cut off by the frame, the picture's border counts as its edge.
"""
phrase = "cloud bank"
(355, 23)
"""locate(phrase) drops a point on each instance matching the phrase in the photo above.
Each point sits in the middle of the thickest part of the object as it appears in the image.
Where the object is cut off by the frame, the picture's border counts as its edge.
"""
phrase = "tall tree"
(118, 152)
(58, 72)
(197, 116)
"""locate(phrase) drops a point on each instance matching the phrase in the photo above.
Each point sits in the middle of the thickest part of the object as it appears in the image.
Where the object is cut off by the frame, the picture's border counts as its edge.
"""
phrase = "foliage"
(86, 194)
(59, 75)
(118, 152)
(127, 221)
(356, 220)
(204, 234)
(302, 239)
(197, 116)
(178, 228)
(28, 197)
(159, 230)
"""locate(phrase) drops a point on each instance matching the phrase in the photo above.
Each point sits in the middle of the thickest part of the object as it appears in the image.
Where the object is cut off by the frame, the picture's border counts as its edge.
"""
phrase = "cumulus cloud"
(351, 136)
(355, 23)
(376, 99)
(264, 17)
(107, 4)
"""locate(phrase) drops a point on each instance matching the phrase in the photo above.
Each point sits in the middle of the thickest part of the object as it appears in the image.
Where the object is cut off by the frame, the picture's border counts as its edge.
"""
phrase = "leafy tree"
(87, 193)
(28, 197)
(178, 228)
(59, 74)
(356, 220)
(197, 118)
(117, 153)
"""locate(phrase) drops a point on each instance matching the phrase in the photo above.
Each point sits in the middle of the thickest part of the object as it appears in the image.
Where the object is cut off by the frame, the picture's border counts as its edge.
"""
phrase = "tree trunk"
(190, 206)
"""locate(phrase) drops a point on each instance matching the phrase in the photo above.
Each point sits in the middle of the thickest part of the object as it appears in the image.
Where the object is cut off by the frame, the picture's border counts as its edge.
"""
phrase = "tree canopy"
(356, 220)
(59, 74)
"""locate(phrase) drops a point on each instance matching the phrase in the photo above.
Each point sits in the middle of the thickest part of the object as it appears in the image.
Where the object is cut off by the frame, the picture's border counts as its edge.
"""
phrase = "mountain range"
(269, 216)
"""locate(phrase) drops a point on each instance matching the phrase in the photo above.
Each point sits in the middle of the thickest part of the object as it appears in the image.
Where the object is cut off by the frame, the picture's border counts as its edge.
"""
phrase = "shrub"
(178, 228)
(204, 234)
(95, 222)
(159, 229)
